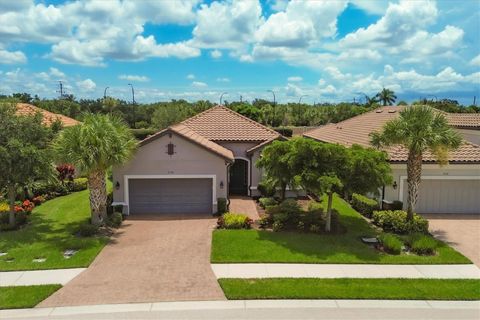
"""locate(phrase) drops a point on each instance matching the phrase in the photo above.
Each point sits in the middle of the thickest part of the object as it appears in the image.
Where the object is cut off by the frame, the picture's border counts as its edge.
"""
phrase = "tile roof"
(357, 130)
(191, 135)
(222, 124)
(464, 120)
(48, 117)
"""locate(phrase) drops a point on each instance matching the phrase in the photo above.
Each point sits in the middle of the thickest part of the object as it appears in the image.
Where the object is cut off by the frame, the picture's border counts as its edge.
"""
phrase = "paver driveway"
(148, 260)
(460, 231)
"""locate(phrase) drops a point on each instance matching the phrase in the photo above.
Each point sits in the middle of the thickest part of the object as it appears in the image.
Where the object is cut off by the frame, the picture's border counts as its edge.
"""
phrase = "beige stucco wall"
(470, 135)
(449, 171)
(189, 159)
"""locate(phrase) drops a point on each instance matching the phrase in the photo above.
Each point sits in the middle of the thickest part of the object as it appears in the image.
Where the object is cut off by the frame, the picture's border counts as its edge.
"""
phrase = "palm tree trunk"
(328, 223)
(414, 174)
(283, 191)
(98, 196)
(11, 200)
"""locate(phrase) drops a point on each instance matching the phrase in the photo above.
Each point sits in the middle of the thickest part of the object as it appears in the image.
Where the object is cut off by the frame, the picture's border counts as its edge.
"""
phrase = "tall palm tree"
(418, 129)
(370, 101)
(100, 142)
(386, 97)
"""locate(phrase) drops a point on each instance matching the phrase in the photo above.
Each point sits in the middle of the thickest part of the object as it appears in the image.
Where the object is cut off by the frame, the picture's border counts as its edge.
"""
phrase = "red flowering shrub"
(38, 200)
(28, 206)
(66, 172)
(19, 209)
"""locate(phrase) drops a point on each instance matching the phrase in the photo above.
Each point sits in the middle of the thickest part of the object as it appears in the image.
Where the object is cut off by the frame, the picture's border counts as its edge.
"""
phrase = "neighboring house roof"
(357, 130)
(222, 124)
(48, 117)
(464, 120)
(191, 135)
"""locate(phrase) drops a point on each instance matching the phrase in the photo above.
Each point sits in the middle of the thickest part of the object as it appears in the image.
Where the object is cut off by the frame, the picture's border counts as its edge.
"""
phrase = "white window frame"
(126, 179)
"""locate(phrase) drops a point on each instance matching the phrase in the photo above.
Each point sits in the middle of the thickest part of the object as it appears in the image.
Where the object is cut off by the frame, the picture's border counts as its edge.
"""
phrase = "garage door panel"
(169, 196)
(447, 196)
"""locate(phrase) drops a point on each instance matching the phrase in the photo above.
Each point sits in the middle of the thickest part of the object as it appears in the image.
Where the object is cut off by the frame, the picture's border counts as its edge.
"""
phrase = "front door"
(239, 177)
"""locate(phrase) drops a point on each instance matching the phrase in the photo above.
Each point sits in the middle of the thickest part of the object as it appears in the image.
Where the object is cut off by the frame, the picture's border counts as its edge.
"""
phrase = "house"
(48, 118)
(188, 166)
(454, 188)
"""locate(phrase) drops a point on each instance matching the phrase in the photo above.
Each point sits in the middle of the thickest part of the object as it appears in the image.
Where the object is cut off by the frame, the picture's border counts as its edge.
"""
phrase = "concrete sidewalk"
(294, 270)
(200, 306)
(37, 277)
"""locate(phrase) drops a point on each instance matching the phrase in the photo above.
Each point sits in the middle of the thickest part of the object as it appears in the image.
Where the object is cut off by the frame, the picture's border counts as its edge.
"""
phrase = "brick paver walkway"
(246, 205)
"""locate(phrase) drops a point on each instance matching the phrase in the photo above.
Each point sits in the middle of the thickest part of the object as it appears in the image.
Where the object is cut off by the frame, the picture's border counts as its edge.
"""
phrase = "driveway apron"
(149, 259)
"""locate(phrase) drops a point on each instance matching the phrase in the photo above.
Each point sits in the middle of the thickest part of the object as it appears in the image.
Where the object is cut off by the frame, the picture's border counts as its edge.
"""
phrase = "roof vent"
(379, 111)
(392, 111)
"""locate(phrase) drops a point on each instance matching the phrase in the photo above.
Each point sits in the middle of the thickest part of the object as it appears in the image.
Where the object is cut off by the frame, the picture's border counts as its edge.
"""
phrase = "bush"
(4, 207)
(396, 222)
(391, 244)
(109, 202)
(264, 221)
(80, 184)
(234, 221)
(422, 244)
(364, 205)
(284, 131)
(288, 213)
(314, 206)
(38, 200)
(266, 190)
(278, 226)
(267, 202)
(141, 134)
(221, 205)
(115, 220)
(397, 205)
(21, 218)
(87, 230)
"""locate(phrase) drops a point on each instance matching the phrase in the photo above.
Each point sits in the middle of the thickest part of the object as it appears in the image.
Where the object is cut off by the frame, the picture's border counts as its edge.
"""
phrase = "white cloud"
(216, 54)
(293, 90)
(190, 76)
(199, 84)
(12, 57)
(223, 79)
(321, 82)
(475, 61)
(86, 85)
(294, 79)
(131, 77)
(54, 72)
(371, 6)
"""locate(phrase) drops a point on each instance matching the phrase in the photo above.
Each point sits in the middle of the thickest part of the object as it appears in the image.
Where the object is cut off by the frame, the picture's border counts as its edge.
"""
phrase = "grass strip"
(25, 296)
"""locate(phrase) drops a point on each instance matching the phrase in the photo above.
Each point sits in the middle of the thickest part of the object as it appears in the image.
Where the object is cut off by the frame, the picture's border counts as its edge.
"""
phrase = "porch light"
(394, 185)
(221, 184)
(117, 185)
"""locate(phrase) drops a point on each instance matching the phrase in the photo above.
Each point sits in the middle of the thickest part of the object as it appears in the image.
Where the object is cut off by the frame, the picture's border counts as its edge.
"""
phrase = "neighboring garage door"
(170, 196)
(448, 196)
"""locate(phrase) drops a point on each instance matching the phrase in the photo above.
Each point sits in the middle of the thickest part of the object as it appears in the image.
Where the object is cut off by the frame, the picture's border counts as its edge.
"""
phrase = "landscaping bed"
(385, 289)
(263, 246)
(52, 230)
(25, 296)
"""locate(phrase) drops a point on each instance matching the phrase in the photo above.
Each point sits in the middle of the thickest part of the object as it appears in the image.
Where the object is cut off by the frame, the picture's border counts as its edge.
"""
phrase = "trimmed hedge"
(364, 205)
(391, 244)
(422, 244)
(141, 134)
(396, 222)
(221, 205)
(234, 221)
(284, 131)
(267, 202)
(80, 184)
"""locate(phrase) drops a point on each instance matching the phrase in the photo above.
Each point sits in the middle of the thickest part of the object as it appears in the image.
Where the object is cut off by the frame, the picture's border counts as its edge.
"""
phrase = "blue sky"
(326, 51)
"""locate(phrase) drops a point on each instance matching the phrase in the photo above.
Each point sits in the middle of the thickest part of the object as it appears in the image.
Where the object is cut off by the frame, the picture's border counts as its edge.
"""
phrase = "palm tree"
(100, 142)
(418, 129)
(370, 101)
(386, 97)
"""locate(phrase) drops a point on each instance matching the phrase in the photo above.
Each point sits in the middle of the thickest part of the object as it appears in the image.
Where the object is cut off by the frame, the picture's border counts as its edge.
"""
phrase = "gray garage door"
(448, 196)
(170, 196)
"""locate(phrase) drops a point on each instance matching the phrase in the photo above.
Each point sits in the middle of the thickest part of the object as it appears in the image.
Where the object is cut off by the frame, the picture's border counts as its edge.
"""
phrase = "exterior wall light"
(117, 185)
(221, 184)
(394, 185)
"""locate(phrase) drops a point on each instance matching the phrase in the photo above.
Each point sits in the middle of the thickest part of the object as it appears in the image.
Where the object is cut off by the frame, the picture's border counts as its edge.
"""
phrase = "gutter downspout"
(228, 186)
(250, 177)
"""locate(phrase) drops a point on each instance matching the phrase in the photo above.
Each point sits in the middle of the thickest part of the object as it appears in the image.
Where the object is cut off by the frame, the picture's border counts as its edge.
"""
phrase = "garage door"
(448, 196)
(170, 196)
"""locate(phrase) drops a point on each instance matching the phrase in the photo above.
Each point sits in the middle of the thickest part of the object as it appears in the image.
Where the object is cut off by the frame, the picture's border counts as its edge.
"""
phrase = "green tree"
(275, 162)
(418, 129)
(24, 152)
(386, 97)
(371, 101)
(100, 142)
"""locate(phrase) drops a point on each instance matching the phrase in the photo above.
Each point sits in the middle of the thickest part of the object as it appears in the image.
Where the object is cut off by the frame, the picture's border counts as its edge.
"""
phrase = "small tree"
(275, 161)
(386, 97)
(24, 154)
(100, 142)
(418, 129)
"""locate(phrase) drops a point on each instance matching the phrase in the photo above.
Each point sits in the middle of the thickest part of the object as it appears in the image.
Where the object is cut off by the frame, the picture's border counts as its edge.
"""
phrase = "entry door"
(239, 177)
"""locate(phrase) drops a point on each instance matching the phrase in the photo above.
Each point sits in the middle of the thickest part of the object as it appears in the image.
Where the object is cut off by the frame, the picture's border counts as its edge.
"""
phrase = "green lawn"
(25, 296)
(250, 246)
(49, 234)
(388, 289)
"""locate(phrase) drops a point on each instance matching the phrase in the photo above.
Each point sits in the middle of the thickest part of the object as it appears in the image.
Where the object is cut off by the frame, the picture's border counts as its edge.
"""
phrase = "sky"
(317, 51)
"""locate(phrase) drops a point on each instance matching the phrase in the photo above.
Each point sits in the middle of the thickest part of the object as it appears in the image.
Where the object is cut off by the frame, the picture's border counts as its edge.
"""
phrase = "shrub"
(284, 131)
(221, 205)
(364, 205)
(391, 244)
(234, 221)
(264, 221)
(397, 205)
(115, 220)
(267, 202)
(80, 184)
(38, 200)
(288, 213)
(396, 222)
(20, 219)
(4, 217)
(266, 190)
(4, 207)
(87, 230)
(422, 244)
(277, 226)
(314, 228)
(28, 206)
(109, 202)
(141, 134)
(301, 226)
(314, 206)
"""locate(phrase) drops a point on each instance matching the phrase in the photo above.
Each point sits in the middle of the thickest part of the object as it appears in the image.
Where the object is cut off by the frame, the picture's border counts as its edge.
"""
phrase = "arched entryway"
(239, 177)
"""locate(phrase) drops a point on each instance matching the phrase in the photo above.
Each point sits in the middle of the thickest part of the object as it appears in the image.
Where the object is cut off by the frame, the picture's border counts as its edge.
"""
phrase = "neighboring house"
(454, 188)
(48, 117)
(187, 167)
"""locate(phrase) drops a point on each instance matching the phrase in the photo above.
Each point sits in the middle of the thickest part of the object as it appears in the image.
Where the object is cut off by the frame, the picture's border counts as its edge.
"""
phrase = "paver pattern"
(245, 205)
(460, 231)
(150, 259)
